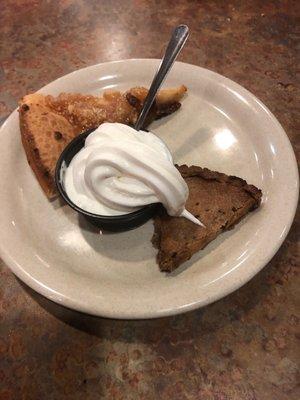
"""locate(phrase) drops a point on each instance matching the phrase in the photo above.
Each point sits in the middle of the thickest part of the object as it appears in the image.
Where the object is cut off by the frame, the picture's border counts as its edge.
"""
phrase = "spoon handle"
(176, 43)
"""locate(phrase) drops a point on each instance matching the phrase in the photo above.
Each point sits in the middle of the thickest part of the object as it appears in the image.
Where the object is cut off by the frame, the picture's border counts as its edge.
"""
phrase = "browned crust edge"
(33, 158)
(206, 173)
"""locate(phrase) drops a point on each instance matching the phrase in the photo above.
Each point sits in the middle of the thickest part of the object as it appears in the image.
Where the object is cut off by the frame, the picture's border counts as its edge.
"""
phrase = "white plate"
(221, 126)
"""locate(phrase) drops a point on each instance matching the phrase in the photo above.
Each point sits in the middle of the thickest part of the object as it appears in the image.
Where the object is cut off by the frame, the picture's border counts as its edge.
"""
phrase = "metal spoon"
(176, 43)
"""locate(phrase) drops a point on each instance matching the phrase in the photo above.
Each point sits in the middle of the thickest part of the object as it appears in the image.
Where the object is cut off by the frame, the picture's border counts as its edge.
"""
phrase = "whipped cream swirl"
(120, 170)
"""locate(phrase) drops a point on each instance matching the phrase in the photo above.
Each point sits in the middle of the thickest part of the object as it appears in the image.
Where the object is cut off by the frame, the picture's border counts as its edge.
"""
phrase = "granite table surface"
(245, 346)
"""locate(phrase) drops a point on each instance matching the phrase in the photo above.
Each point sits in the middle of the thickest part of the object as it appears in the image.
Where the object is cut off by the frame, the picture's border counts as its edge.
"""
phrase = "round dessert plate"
(220, 126)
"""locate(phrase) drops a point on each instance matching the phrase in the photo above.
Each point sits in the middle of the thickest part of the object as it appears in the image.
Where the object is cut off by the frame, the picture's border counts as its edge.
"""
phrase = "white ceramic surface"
(221, 126)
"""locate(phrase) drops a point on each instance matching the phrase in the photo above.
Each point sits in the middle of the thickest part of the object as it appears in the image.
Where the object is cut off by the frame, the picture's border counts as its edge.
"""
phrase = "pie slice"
(49, 123)
(218, 200)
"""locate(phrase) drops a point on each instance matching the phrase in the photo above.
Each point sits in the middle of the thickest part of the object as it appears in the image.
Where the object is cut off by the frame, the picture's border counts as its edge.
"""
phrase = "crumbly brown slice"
(49, 123)
(218, 200)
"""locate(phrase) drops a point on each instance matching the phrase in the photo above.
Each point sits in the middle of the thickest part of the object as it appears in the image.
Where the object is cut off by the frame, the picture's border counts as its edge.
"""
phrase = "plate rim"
(75, 304)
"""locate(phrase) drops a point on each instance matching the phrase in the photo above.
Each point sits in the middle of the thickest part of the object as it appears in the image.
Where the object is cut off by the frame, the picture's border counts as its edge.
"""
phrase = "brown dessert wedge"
(49, 123)
(218, 200)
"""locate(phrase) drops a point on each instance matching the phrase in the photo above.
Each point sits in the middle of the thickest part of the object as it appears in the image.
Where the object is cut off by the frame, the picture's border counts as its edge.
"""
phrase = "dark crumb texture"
(218, 200)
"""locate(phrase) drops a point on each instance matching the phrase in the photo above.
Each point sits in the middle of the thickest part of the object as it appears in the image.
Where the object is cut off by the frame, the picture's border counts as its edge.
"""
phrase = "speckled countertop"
(242, 347)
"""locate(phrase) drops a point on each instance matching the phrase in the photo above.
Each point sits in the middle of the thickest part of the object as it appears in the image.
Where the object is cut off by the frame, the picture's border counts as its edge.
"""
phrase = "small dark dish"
(108, 223)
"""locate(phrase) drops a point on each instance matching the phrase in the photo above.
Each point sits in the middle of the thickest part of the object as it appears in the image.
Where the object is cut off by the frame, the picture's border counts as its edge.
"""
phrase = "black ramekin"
(107, 223)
